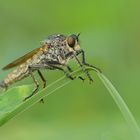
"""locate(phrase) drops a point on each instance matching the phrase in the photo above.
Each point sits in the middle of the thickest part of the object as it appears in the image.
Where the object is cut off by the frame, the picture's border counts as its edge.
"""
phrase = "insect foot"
(81, 78)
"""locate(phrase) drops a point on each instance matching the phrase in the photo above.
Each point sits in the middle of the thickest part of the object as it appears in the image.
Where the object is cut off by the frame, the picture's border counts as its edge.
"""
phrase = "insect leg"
(70, 70)
(66, 72)
(86, 64)
(68, 67)
(44, 82)
(42, 78)
(55, 65)
(36, 83)
(83, 68)
(37, 67)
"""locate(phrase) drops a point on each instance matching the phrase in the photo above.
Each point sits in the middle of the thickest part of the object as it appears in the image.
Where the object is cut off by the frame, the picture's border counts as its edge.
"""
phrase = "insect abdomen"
(18, 74)
(22, 70)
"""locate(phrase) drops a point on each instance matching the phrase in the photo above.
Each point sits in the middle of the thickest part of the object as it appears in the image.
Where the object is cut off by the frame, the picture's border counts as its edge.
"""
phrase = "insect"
(54, 53)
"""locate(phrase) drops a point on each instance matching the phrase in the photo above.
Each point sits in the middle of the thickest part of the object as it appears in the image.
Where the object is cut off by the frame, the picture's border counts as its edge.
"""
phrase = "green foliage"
(110, 37)
(121, 105)
(11, 103)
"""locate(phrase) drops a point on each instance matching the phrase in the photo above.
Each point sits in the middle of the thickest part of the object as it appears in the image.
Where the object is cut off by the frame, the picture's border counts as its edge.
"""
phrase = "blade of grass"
(11, 106)
(11, 102)
(121, 105)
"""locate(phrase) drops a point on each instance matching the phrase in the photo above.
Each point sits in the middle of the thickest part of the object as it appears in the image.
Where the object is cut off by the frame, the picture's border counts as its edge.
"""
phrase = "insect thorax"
(57, 49)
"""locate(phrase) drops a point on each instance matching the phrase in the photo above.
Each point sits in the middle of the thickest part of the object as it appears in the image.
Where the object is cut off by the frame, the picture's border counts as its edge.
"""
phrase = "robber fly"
(54, 53)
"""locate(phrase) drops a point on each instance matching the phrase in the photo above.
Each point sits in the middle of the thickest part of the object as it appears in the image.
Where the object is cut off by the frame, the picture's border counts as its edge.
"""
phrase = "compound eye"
(71, 41)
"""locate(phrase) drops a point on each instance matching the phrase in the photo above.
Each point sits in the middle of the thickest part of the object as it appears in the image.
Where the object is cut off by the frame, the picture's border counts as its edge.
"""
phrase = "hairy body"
(54, 53)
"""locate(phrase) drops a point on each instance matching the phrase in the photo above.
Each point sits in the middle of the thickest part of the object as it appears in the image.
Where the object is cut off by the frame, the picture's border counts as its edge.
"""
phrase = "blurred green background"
(110, 32)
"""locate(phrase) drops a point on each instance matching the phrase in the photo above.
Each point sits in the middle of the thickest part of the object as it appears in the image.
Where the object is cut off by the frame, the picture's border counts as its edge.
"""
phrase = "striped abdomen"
(19, 73)
(22, 70)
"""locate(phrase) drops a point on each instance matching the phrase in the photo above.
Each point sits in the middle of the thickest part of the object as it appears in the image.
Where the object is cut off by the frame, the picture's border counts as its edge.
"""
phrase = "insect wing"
(21, 59)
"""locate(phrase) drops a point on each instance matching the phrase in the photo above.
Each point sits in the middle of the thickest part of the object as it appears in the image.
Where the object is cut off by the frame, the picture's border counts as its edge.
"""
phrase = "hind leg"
(31, 69)
(44, 83)
(36, 86)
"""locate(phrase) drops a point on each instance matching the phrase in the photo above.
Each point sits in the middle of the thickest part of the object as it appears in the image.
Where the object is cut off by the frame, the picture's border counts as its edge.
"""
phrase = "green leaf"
(11, 102)
(121, 105)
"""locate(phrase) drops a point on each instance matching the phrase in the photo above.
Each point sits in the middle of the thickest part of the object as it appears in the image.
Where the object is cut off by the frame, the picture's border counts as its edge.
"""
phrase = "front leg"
(70, 70)
(83, 68)
(86, 64)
